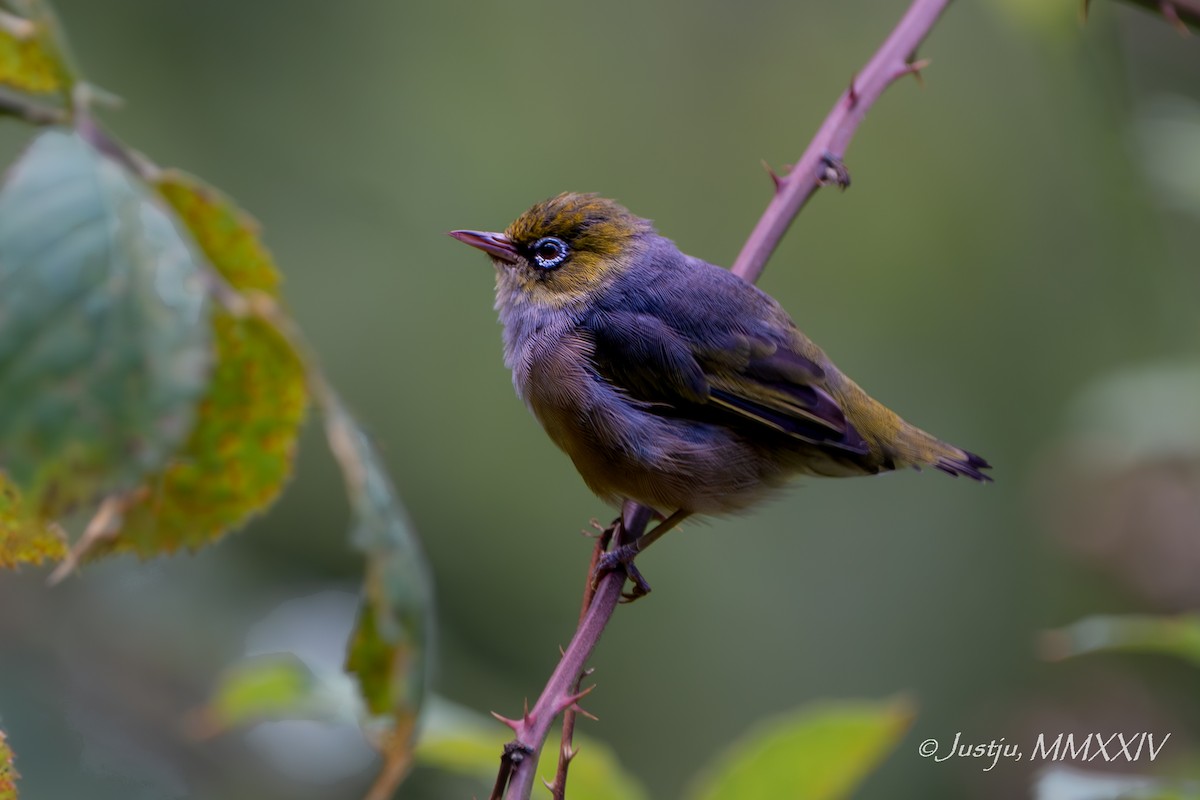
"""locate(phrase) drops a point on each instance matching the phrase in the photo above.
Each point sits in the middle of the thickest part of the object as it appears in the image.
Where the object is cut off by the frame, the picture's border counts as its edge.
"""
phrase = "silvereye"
(671, 381)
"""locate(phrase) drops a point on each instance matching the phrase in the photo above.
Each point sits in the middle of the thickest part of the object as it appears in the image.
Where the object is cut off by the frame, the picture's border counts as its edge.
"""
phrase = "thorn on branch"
(775, 179)
(512, 723)
(583, 712)
(852, 92)
(834, 173)
(571, 700)
(914, 68)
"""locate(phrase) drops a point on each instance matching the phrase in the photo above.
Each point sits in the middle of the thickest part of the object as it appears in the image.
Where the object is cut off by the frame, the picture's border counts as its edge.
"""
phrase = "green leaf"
(820, 752)
(274, 686)
(1167, 635)
(23, 537)
(104, 326)
(1052, 21)
(595, 772)
(8, 774)
(461, 741)
(242, 447)
(388, 651)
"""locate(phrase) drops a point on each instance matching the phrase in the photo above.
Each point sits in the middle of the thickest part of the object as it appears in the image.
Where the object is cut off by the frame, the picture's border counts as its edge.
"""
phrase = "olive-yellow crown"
(590, 225)
(566, 247)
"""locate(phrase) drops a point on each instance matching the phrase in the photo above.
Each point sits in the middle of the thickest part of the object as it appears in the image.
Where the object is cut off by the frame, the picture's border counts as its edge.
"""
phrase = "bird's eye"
(549, 252)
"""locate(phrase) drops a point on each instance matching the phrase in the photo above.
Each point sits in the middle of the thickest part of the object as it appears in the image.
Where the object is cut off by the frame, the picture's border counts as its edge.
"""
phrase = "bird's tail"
(916, 448)
(895, 444)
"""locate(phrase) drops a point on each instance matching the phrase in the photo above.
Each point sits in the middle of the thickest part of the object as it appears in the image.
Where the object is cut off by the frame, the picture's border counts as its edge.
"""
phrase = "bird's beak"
(496, 245)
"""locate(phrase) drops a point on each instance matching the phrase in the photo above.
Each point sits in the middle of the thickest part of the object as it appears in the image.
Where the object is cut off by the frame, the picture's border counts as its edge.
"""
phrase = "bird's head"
(563, 249)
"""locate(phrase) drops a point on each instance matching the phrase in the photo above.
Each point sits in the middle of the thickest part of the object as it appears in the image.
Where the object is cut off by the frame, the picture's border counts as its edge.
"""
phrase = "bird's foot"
(622, 558)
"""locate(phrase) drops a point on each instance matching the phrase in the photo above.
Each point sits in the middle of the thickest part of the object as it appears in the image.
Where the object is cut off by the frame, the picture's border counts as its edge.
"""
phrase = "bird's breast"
(529, 330)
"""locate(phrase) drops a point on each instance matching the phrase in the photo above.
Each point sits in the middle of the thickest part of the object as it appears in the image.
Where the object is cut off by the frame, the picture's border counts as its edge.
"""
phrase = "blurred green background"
(1018, 230)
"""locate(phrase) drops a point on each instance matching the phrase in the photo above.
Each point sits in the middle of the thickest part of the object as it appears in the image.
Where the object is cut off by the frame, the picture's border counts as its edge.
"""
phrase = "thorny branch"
(566, 751)
(822, 161)
(518, 765)
(821, 164)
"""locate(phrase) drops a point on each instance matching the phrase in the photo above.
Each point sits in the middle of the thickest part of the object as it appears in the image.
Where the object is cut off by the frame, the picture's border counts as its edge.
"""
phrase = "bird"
(673, 382)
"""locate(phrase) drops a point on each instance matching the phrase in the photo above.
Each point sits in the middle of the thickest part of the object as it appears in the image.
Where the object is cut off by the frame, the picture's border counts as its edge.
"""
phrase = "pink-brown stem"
(566, 750)
(890, 63)
(557, 695)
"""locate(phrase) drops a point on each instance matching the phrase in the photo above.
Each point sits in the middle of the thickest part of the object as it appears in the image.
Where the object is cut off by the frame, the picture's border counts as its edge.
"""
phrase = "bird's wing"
(747, 378)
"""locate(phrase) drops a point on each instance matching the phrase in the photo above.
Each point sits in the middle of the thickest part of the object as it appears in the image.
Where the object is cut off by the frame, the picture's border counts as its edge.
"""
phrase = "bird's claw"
(622, 558)
(640, 587)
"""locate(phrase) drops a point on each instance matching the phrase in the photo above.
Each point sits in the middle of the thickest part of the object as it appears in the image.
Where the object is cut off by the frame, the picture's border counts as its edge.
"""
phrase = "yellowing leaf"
(239, 454)
(25, 539)
(8, 775)
(821, 752)
(24, 63)
(226, 234)
(104, 326)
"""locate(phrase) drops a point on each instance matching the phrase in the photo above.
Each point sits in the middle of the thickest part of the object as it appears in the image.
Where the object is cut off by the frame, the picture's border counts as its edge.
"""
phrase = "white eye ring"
(550, 243)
